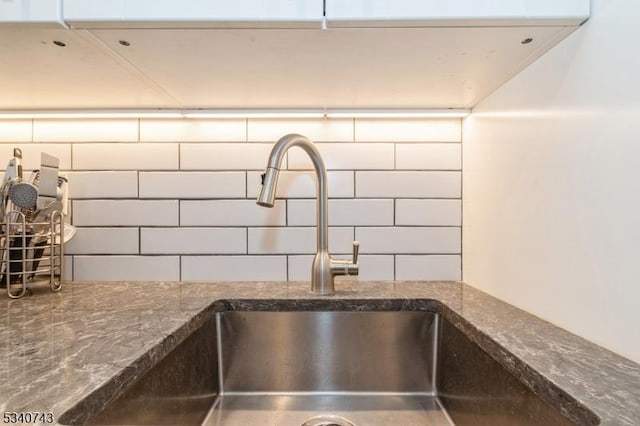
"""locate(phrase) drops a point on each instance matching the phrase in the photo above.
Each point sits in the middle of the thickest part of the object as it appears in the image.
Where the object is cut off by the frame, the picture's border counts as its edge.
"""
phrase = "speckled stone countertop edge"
(552, 360)
(542, 386)
(111, 389)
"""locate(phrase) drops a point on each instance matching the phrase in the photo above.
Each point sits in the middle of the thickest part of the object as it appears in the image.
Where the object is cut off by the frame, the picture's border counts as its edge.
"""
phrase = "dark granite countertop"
(57, 348)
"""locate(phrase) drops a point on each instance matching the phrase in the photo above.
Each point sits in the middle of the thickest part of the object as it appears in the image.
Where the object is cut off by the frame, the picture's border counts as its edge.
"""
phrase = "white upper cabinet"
(31, 12)
(193, 13)
(309, 13)
(434, 13)
(272, 53)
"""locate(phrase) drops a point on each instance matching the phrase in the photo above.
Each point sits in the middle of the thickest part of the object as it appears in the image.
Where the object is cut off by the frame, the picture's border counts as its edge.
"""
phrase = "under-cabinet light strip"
(235, 113)
(254, 113)
(79, 114)
(398, 113)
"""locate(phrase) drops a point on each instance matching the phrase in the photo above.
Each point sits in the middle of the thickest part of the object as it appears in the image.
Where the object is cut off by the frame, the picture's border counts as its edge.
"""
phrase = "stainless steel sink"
(330, 368)
(371, 368)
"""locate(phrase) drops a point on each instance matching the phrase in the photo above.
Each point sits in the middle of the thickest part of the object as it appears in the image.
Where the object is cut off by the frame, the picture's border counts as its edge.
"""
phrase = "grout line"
(424, 142)
(337, 141)
(286, 212)
(355, 185)
(286, 265)
(395, 156)
(268, 254)
(71, 216)
(461, 199)
(379, 170)
(167, 170)
(395, 220)
(394, 266)
(353, 126)
(239, 170)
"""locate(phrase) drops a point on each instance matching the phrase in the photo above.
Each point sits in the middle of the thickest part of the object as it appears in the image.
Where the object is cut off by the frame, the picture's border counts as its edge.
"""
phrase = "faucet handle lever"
(356, 251)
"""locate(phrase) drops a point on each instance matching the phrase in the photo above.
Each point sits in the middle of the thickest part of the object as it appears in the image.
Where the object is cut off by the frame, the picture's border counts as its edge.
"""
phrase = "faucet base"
(321, 276)
(322, 294)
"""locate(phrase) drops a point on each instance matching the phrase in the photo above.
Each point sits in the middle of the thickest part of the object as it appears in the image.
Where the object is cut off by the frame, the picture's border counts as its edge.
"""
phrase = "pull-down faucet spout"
(324, 268)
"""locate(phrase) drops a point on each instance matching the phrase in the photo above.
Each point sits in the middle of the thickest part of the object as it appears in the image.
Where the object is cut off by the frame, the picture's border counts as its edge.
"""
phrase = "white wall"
(551, 185)
(175, 199)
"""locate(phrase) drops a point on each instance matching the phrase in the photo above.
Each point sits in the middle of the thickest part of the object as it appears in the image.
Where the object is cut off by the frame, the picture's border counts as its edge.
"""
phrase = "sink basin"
(331, 368)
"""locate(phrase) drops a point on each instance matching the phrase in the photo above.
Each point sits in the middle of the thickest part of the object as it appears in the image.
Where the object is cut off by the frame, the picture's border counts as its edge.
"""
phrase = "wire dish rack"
(32, 252)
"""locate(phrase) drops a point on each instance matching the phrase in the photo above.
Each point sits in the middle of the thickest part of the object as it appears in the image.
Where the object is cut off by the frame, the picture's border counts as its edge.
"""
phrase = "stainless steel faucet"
(324, 266)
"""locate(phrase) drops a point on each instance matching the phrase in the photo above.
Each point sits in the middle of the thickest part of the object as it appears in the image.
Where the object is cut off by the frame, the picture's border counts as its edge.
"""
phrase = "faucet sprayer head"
(268, 191)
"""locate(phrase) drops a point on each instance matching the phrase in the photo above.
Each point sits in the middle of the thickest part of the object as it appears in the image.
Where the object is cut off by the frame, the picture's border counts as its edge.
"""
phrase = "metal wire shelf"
(32, 252)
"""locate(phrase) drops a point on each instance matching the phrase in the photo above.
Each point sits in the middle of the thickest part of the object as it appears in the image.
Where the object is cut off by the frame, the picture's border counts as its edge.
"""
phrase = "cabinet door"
(425, 13)
(31, 12)
(193, 13)
(93, 10)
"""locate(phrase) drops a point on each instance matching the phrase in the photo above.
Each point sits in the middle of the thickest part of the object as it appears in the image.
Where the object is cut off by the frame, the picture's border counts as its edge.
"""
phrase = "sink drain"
(328, 421)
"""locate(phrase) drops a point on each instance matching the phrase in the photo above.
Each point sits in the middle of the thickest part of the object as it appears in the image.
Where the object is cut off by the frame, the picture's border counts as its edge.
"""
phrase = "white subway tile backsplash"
(346, 156)
(409, 240)
(68, 269)
(125, 156)
(103, 184)
(103, 241)
(224, 156)
(376, 268)
(175, 199)
(126, 268)
(299, 267)
(292, 240)
(192, 184)
(125, 212)
(193, 240)
(445, 184)
(342, 212)
(429, 156)
(434, 267)
(188, 130)
(231, 213)
(412, 212)
(101, 130)
(317, 130)
(372, 268)
(303, 184)
(31, 154)
(234, 268)
(408, 130)
(15, 131)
